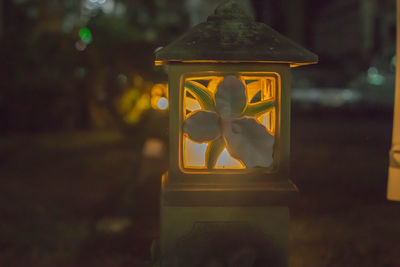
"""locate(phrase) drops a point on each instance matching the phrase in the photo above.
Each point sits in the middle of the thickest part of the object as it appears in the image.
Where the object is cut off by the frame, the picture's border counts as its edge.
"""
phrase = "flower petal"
(202, 126)
(230, 98)
(249, 141)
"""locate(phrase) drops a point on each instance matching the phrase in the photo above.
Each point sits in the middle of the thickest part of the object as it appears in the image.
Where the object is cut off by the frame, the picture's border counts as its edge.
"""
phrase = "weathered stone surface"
(232, 35)
(225, 244)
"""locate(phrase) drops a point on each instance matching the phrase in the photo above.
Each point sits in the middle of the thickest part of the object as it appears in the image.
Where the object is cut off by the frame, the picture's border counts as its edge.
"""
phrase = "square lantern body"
(263, 82)
(189, 179)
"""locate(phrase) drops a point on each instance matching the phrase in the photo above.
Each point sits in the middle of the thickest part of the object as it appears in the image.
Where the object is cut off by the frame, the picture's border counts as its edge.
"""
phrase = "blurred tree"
(53, 78)
(1, 19)
(123, 49)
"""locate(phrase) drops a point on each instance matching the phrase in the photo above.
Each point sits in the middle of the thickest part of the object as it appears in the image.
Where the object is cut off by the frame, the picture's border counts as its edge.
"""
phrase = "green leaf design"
(256, 98)
(214, 149)
(257, 108)
(202, 94)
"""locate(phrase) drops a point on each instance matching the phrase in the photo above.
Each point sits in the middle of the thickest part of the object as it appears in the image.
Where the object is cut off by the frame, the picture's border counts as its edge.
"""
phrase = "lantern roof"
(232, 36)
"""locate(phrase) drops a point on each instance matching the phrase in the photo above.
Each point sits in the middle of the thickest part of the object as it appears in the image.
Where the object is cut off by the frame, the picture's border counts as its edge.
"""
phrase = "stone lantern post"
(224, 197)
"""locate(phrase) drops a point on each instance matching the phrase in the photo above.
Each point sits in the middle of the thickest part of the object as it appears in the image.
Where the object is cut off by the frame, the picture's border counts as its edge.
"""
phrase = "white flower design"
(227, 120)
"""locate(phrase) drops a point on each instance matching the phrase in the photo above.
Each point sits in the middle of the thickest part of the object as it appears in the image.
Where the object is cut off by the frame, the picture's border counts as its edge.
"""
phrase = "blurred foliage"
(63, 60)
(134, 101)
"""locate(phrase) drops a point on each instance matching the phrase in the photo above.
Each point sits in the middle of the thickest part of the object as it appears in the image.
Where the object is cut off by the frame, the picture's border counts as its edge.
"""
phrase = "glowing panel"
(225, 161)
(194, 154)
(191, 104)
(261, 89)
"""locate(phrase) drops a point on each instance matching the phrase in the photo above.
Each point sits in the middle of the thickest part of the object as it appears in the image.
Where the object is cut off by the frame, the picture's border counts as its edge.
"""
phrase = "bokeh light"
(159, 96)
(85, 35)
(374, 77)
(162, 103)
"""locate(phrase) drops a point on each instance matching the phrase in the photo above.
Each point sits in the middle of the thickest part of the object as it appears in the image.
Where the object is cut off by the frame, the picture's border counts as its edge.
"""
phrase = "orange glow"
(252, 89)
(259, 87)
(268, 119)
(225, 161)
(191, 104)
(268, 84)
(213, 81)
(165, 62)
(194, 154)
(194, 157)
(159, 96)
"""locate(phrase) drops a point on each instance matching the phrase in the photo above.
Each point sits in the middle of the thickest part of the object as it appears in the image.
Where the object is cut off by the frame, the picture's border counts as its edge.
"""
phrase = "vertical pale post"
(393, 190)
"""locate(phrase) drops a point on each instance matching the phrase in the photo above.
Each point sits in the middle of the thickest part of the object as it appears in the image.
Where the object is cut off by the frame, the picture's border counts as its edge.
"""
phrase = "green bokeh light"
(85, 35)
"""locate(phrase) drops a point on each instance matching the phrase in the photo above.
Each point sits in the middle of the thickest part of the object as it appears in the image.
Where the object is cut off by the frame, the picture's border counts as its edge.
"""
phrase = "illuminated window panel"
(261, 109)
(194, 154)
(225, 161)
(268, 120)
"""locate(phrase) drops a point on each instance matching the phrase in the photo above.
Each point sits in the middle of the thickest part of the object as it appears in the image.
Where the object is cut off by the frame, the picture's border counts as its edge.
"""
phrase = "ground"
(73, 199)
(340, 164)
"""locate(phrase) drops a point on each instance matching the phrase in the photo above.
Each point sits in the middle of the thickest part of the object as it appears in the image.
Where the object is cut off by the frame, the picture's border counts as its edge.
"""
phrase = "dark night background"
(78, 107)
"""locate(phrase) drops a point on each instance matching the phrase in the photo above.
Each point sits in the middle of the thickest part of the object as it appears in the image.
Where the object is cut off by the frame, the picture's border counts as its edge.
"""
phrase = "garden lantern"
(229, 101)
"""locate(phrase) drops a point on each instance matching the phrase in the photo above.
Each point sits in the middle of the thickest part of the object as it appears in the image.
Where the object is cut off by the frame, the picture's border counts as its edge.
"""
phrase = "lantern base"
(243, 194)
(224, 236)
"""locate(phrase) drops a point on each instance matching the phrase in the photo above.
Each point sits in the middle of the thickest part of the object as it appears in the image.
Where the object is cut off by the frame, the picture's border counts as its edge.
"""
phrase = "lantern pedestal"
(240, 225)
(216, 236)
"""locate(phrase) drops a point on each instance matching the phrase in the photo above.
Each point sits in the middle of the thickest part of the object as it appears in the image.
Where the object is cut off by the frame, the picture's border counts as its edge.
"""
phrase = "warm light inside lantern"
(259, 87)
(225, 160)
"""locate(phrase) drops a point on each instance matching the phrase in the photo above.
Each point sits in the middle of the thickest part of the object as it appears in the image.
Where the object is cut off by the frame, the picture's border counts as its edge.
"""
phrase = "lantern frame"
(177, 75)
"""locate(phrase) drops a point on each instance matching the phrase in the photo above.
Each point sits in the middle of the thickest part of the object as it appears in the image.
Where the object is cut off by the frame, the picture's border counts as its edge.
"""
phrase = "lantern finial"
(229, 10)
